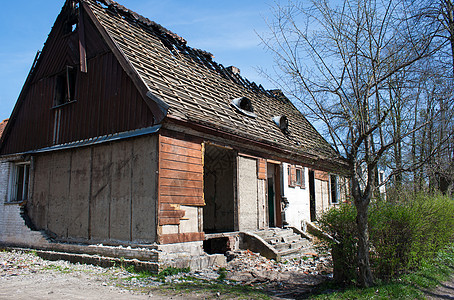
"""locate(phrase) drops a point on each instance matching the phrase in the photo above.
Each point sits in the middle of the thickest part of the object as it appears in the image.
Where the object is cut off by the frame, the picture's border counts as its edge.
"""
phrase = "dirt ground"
(27, 276)
(443, 291)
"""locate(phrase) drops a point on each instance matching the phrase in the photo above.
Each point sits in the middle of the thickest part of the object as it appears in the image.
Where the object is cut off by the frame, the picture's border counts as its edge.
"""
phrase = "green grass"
(410, 286)
(64, 270)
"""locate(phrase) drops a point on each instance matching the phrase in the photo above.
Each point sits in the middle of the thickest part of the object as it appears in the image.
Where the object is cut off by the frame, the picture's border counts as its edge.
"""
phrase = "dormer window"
(281, 122)
(244, 106)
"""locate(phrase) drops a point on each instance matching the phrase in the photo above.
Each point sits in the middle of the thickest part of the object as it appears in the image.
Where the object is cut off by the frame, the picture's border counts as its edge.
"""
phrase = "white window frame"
(14, 182)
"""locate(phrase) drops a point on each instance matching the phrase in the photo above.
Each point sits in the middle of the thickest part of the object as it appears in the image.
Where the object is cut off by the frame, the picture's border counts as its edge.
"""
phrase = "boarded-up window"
(296, 176)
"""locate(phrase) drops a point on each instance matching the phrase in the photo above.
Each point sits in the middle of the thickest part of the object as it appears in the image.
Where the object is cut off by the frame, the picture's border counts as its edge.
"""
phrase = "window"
(244, 106)
(334, 189)
(296, 176)
(281, 122)
(19, 178)
(65, 86)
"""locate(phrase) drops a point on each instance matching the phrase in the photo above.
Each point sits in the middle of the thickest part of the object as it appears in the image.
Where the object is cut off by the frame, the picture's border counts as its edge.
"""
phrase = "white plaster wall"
(299, 200)
(13, 230)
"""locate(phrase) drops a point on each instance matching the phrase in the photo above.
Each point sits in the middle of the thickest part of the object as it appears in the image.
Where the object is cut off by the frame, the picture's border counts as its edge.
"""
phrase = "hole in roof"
(244, 106)
(103, 5)
(281, 122)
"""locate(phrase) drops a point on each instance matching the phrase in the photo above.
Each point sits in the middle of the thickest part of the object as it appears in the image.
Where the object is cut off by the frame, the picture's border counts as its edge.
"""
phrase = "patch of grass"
(169, 271)
(138, 274)
(410, 286)
(64, 270)
(222, 274)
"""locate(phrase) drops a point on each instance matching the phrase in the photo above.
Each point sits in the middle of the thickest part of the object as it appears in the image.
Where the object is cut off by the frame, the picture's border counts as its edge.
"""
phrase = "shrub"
(402, 234)
(340, 224)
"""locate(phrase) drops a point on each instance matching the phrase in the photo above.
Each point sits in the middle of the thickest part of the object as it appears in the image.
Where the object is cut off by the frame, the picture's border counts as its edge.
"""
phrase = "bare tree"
(340, 64)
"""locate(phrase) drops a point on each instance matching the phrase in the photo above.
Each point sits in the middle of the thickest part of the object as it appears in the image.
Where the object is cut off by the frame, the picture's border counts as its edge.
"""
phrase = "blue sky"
(224, 28)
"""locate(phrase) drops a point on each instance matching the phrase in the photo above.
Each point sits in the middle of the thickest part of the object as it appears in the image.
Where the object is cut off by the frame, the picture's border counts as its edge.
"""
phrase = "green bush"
(340, 224)
(402, 234)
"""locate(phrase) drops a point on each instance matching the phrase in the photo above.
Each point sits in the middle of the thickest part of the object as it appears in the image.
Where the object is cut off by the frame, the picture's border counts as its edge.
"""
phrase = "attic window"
(65, 86)
(244, 106)
(281, 122)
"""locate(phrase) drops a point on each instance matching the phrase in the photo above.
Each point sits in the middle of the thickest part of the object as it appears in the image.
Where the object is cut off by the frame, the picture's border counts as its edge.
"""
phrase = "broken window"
(296, 176)
(65, 86)
(19, 178)
(334, 189)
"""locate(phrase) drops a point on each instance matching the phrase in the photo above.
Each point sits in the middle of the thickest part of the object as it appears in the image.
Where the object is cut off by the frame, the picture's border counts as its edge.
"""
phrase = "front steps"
(276, 243)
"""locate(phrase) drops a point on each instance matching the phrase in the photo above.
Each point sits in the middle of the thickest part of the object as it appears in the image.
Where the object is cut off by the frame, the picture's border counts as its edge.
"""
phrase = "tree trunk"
(365, 278)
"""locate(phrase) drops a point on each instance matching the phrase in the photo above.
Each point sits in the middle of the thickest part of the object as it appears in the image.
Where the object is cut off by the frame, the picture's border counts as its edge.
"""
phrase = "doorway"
(218, 188)
(312, 196)
(274, 195)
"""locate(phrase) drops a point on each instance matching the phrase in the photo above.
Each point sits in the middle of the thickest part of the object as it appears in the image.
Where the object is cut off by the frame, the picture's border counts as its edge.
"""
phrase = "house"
(125, 135)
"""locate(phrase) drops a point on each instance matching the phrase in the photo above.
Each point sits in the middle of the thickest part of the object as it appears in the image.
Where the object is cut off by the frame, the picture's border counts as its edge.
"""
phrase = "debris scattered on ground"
(287, 279)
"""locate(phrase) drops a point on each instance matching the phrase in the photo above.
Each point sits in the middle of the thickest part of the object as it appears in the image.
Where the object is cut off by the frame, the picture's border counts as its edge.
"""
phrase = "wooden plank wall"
(261, 168)
(321, 175)
(180, 183)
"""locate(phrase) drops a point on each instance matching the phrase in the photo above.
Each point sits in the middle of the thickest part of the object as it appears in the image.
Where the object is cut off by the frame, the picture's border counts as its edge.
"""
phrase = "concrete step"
(283, 242)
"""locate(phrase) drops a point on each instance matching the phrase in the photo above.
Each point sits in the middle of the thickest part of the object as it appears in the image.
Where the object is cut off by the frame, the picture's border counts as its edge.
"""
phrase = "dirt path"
(443, 291)
(26, 276)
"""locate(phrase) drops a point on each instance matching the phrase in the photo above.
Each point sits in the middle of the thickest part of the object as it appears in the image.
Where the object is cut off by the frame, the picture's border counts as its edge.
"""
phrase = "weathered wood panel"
(181, 237)
(321, 175)
(100, 192)
(180, 183)
(79, 193)
(120, 201)
(261, 168)
(144, 192)
(58, 205)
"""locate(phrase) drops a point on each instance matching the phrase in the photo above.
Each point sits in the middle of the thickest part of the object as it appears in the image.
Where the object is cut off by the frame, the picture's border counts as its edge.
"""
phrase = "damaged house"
(125, 135)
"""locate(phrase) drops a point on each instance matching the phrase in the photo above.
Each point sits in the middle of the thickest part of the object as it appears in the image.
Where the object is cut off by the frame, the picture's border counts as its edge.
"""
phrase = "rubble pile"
(287, 279)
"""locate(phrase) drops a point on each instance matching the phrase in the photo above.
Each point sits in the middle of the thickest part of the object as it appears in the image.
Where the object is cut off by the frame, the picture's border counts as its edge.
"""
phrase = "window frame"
(19, 182)
(65, 87)
(293, 181)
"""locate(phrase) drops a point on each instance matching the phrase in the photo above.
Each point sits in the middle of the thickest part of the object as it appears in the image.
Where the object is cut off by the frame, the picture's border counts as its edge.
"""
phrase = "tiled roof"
(2, 126)
(199, 90)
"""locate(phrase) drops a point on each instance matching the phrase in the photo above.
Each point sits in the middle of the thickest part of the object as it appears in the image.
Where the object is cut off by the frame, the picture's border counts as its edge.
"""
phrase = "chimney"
(234, 70)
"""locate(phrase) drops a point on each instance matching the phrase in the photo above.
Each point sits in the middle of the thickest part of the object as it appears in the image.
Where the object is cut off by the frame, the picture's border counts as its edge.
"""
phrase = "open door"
(274, 195)
(218, 189)
(312, 195)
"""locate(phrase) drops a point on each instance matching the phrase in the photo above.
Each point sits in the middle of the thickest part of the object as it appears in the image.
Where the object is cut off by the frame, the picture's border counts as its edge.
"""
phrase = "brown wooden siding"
(320, 175)
(261, 168)
(180, 178)
(107, 100)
